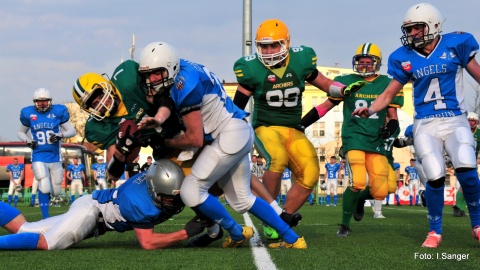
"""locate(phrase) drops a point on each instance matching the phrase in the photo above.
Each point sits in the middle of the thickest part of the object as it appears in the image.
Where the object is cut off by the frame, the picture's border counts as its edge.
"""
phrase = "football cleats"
(95, 95)
(164, 179)
(424, 15)
(159, 56)
(367, 50)
(269, 32)
(42, 94)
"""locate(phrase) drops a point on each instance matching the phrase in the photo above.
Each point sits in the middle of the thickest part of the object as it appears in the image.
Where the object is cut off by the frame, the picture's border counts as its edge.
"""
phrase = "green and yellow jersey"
(363, 133)
(277, 94)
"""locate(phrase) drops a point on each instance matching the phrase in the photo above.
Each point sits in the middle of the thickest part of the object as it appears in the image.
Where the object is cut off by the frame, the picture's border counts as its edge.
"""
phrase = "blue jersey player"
(100, 173)
(76, 176)
(413, 181)
(48, 124)
(210, 115)
(333, 169)
(16, 171)
(145, 200)
(435, 63)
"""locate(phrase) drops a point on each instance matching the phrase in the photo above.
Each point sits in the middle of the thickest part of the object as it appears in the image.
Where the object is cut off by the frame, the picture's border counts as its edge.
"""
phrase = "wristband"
(336, 89)
(370, 112)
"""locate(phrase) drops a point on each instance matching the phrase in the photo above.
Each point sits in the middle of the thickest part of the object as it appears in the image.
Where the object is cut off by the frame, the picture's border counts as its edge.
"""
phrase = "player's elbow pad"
(310, 118)
(240, 99)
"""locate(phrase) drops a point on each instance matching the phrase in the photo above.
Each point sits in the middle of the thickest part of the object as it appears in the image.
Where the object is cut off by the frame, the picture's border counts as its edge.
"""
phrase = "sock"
(328, 199)
(9, 199)
(335, 199)
(34, 196)
(377, 206)
(284, 199)
(276, 207)
(15, 200)
(435, 201)
(398, 198)
(278, 198)
(7, 213)
(19, 241)
(471, 192)
(72, 198)
(44, 201)
(411, 198)
(461, 203)
(212, 208)
(213, 231)
(310, 198)
(387, 199)
(416, 200)
(350, 200)
(264, 212)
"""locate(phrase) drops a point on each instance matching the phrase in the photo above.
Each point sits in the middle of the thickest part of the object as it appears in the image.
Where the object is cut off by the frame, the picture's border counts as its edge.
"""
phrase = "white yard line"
(260, 254)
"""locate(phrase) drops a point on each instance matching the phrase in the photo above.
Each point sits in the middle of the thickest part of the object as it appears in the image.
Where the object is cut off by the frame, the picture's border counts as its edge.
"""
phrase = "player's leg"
(41, 172)
(11, 190)
(335, 196)
(34, 191)
(329, 191)
(303, 162)
(12, 220)
(411, 191)
(56, 177)
(415, 187)
(460, 147)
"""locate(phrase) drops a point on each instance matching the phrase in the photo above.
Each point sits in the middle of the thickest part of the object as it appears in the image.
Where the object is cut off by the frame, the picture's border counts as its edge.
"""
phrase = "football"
(130, 127)
(19, 188)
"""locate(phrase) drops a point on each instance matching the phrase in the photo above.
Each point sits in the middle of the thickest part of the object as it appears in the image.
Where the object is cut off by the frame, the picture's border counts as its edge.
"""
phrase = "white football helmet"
(421, 14)
(100, 159)
(164, 179)
(159, 56)
(473, 116)
(39, 95)
(323, 186)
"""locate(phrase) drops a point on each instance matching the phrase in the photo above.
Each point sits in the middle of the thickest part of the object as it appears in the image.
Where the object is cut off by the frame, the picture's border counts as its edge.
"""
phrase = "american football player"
(16, 171)
(210, 115)
(145, 200)
(76, 176)
(434, 64)
(48, 124)
(363, 139)
(100, 173)
(275, 76)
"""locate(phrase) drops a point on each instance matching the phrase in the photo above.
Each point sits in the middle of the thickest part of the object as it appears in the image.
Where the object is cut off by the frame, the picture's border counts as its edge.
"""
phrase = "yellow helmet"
(367, 50)
(89, 87)
(269, 32)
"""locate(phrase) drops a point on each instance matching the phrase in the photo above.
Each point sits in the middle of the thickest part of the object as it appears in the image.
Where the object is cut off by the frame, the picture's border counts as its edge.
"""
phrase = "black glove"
(54, 137)
(353, 87)
(127, 142)
(402, 142)
(389, 129)
(195, 226)
(32, 144)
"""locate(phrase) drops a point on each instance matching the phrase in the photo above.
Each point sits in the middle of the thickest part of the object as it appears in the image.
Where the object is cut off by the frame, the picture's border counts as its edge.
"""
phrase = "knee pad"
(358, 177)
(190, 192)
(437, 183)
(392, 181)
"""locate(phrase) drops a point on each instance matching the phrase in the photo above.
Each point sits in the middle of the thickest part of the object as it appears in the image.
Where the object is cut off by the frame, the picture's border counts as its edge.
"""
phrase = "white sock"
(276, 207)
(213, 231)
(377, 206)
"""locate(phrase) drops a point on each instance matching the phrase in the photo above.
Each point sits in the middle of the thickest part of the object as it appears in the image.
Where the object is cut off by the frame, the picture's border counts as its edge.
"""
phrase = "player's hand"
(149, 122)
(126, 142)
(195, 226)
(32, 144)
(55, 137)
(363, 112)
(353, 87)
(385, 132)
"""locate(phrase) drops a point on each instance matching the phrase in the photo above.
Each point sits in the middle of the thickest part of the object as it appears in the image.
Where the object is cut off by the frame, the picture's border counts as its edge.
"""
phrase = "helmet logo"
(271, 78)
(407, 66)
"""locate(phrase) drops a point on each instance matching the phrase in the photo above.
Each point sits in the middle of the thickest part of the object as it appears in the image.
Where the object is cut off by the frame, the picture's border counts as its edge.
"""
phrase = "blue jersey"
(196, 88)
(396, 166)
(101, 169)
(412, 172)
(41, 125)
(332, 170)
(76, 171)
(16, 170)
(437, 78)
(287, 174)
(134, 203)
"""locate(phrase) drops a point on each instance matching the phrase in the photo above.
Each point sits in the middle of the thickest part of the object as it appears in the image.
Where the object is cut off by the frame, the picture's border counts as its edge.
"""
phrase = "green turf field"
(391, 243)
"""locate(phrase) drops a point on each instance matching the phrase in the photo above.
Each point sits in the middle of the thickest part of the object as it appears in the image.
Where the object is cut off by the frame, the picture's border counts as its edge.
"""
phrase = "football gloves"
(353, 87)
(55, 137)
(125, 143)
(195, 226)
(32, 144)
(389, 129)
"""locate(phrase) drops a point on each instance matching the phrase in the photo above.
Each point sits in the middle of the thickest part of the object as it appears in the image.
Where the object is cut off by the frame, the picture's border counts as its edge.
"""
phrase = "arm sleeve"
(68, 130)
(22, 133)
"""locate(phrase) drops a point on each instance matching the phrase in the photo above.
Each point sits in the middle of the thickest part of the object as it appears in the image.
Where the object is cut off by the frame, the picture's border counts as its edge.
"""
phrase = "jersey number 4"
(434, 94)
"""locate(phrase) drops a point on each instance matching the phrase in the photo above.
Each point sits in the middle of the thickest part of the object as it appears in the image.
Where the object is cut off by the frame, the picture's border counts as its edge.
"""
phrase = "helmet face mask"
(42, 100)
(95, 95)
(273, 42)
(159, 60)
(425, 21)
(367, 60)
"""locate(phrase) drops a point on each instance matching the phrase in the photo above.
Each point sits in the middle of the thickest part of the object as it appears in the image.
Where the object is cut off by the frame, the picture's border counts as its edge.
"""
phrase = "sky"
(50, 43)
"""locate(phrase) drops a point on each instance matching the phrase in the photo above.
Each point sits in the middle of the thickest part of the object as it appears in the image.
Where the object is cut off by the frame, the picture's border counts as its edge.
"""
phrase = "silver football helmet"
(164, 179)
(42, 94)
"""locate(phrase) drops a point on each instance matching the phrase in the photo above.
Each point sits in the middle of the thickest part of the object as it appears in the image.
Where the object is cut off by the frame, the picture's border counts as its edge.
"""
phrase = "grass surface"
(394, 242)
